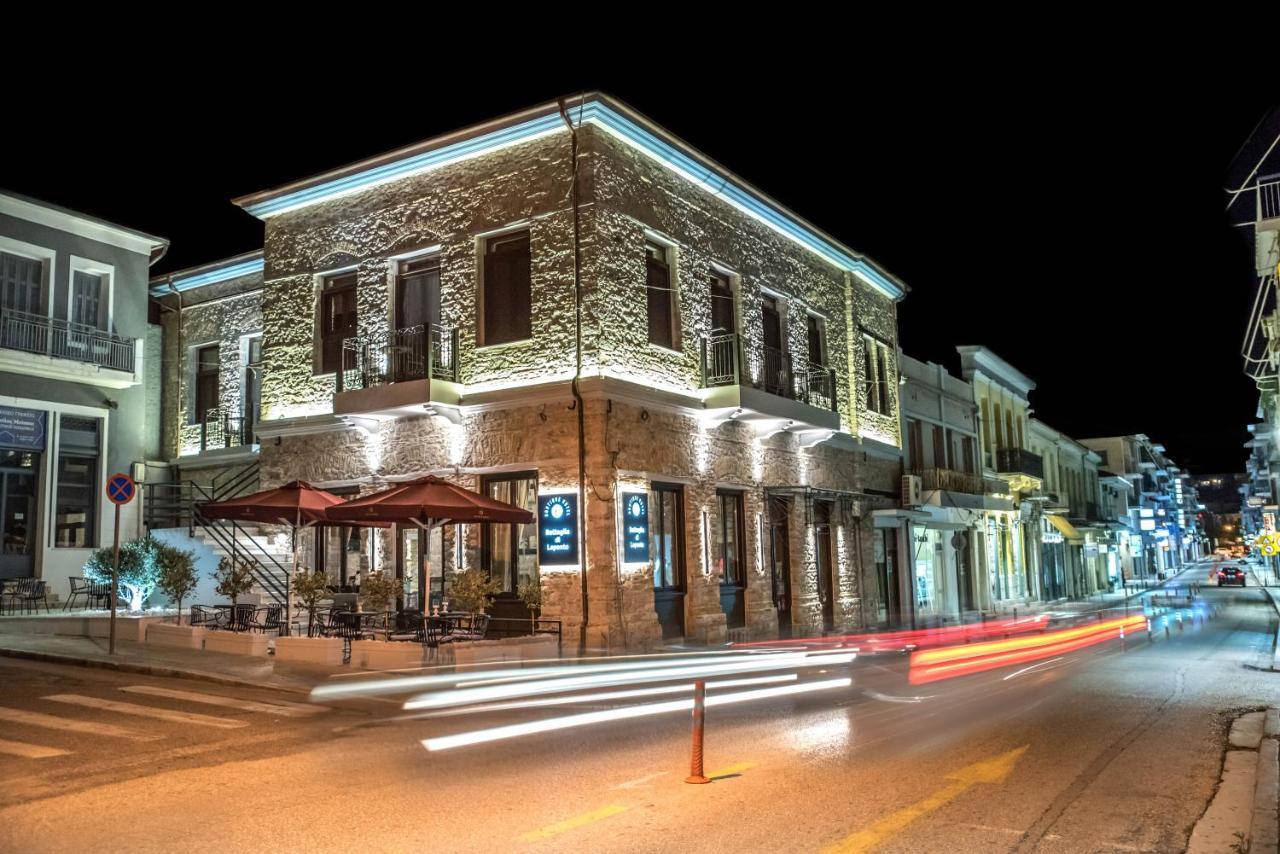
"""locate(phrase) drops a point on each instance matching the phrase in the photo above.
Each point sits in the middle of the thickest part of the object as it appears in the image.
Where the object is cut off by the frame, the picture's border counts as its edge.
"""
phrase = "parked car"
(1231, 575)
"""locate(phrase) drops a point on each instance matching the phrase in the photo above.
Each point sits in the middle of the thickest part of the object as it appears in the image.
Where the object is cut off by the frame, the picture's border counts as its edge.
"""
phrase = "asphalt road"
(1102, 749)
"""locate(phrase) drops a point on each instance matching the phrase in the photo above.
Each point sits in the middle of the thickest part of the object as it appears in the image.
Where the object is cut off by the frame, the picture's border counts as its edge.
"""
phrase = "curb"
(1244, 810)
(145, 669)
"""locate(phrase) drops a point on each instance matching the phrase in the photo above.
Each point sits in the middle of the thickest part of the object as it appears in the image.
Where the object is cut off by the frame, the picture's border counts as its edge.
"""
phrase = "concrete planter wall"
(128, 628)
(236, 643)
(507, 649)
(310, 651)
(182, 637)
(385, 655)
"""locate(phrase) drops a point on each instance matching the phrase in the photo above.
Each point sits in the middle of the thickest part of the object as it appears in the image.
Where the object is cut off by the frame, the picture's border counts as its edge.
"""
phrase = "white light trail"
(447, 742)
(746, 664)
(612, 695)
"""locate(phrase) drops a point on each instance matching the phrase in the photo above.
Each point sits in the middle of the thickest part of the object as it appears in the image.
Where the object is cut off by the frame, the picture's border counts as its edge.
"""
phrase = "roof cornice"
(208, 274)
(599, 110)
(83, 225)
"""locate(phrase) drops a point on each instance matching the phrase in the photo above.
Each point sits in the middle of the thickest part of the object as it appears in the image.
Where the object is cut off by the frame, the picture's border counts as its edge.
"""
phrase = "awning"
(1066, 528)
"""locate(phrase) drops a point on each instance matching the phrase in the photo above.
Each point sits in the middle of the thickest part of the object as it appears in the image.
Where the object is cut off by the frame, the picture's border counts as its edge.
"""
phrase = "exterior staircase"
(267, 552)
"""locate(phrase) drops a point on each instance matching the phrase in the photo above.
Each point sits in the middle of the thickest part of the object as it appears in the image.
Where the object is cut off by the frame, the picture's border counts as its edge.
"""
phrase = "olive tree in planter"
(139, 570)
(177, 574)
(530, 593)
(310, 588)
(472, 589)
(378, 589)
(235, 578)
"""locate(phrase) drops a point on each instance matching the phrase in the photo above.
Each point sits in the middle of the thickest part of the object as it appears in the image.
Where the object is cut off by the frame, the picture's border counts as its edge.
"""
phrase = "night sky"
(1083, 241)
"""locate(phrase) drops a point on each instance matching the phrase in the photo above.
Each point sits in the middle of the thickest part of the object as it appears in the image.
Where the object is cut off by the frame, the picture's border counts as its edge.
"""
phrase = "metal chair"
(474, 627)
(241, 618)
(203, 616)
(9, 594)
(79, 587)
(33, 592)
(266, 618)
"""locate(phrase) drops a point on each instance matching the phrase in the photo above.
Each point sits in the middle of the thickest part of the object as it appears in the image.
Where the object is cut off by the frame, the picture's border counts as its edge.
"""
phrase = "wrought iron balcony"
(951, 480)
(417, 353)
(1269, 200)
(727, 361)
(225, 431)
(62, 339)
(1019, 461)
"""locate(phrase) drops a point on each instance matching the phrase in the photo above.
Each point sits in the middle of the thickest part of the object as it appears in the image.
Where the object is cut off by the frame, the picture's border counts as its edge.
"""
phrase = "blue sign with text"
(21, 429)
(635, 527)
(557, 530)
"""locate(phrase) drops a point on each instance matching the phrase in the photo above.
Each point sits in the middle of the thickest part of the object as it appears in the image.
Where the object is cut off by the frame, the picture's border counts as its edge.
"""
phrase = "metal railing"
(726, 361)
(62, 339)
(225, 431)
(399, 355)
(1020, 461)
(950, 480)
(1269, 200)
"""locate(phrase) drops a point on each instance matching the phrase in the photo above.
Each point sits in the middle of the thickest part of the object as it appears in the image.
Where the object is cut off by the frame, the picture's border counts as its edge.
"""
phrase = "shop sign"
(21, 429)
(635, 527)
(1090, 550)
(558, 530)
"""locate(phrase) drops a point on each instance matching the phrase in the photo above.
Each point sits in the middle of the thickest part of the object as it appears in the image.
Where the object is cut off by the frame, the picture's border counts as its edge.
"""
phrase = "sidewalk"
(154, 660)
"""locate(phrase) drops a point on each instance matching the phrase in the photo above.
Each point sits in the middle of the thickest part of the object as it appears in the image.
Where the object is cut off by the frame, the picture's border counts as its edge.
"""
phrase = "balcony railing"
(1019, 461)
(225, 431)
(1269, 200)
(417, 353)
(950, 480)
(726, 361)
(62, 339)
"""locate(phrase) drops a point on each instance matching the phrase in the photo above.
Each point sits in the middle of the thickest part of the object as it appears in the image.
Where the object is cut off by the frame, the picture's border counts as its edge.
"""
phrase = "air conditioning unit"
(911, 491)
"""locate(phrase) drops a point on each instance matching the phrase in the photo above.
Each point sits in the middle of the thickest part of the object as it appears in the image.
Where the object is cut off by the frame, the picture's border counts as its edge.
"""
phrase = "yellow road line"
(571, 823)
(736, 768)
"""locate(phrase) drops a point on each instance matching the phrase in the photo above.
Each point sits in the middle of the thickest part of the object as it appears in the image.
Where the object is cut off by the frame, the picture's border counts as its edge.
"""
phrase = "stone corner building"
(575, 312)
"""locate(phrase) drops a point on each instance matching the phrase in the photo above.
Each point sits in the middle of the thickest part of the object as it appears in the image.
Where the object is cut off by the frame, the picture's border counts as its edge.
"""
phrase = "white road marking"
(29, 751)
(283, 708)
(20, 716)
(147, 711)
(889, 698)
(639, 781)
(1032, 667)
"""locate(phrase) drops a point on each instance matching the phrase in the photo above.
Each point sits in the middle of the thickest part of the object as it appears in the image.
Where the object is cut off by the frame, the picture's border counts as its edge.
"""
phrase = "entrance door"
(886, 553)
(668, 558)
(776, 372)
(960, 542)
(18, 528)
(826, 567)
(780, 561)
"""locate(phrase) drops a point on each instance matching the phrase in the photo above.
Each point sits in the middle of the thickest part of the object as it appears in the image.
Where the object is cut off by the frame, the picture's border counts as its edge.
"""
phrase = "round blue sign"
(120, 489)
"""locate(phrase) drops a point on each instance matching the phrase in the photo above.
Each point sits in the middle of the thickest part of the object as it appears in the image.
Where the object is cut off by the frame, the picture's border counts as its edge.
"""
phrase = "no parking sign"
(121, 489)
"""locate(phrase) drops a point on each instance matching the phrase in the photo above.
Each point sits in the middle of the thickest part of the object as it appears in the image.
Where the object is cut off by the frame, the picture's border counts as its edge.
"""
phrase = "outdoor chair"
(435, 631)
(203, 616)
(31, 592)
(79, 587)
(9, 589)
(241, 617)
(409, 627)
(471, 628)
(267, 619)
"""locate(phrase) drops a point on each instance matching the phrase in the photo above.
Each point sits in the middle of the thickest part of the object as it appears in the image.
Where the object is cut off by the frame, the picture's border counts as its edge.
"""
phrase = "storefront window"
(510, 552)
(728, 546)
(930, 566)
(76, 516)
(668, 538)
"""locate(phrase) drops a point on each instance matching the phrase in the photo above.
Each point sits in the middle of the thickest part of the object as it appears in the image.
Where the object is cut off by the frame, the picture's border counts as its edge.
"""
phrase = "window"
(206, 390)
(343, 552)
(86, 300)
(668, 537)
(508, 301)
(915, 444)
(20, 283)
(509, 552)
(817, 343)
(939, 448)
(418, 293)
(76, 510)
(661, 295)
(252, 385)
(728, 547)
(876, 356)
(724, 316)
(339, 319)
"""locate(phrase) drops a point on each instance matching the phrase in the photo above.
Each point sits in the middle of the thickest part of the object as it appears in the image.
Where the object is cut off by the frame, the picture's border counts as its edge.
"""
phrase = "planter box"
(539, 646)
(236, 643)
(182, 637)
(385, 655)
(321, 651)
(508, 649)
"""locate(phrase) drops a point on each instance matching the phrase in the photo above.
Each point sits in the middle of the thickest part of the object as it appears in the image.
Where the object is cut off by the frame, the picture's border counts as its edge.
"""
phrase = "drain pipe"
(577, 375)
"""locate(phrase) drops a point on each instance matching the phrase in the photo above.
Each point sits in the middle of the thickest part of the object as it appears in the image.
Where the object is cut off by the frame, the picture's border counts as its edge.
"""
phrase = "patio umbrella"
(297, 504)
(427, 502)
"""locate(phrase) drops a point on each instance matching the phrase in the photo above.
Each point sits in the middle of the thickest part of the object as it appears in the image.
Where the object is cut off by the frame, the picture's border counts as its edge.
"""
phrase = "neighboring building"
(1012, 541)
(79, 383)
(1071, 529)
(949, 578)
(576, 313)
(1123, 541)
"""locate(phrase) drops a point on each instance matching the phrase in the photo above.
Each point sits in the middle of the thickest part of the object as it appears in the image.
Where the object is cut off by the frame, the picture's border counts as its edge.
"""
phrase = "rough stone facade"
(642, 410)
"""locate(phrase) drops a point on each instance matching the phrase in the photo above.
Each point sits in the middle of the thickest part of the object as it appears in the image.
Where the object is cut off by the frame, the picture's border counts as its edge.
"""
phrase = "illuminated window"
(338, 319)
(661, 295)
(509, 551)
(507, 298)
(76, 512)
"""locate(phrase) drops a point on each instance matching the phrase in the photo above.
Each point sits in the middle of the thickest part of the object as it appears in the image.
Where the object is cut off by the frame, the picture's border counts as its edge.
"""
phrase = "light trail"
(746, 664)
(447, 742)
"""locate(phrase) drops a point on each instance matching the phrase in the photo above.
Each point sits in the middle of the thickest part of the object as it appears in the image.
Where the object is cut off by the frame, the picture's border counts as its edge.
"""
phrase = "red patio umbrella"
(297, 504)
(427, 502)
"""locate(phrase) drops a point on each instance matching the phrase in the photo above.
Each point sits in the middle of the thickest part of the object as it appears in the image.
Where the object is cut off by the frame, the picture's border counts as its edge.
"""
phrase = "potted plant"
(472, 589)
(378, 589)
(176, 576)
(310, 588)
(235, 578)
(530, 593)
(139, 570)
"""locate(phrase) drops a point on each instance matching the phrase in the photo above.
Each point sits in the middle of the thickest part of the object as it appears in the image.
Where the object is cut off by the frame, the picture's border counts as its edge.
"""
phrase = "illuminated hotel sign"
(557, 530)
(635, 527)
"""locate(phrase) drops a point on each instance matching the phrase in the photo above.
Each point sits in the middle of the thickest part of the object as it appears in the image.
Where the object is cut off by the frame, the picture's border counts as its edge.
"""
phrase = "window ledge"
(482, 347)
(662, 348)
